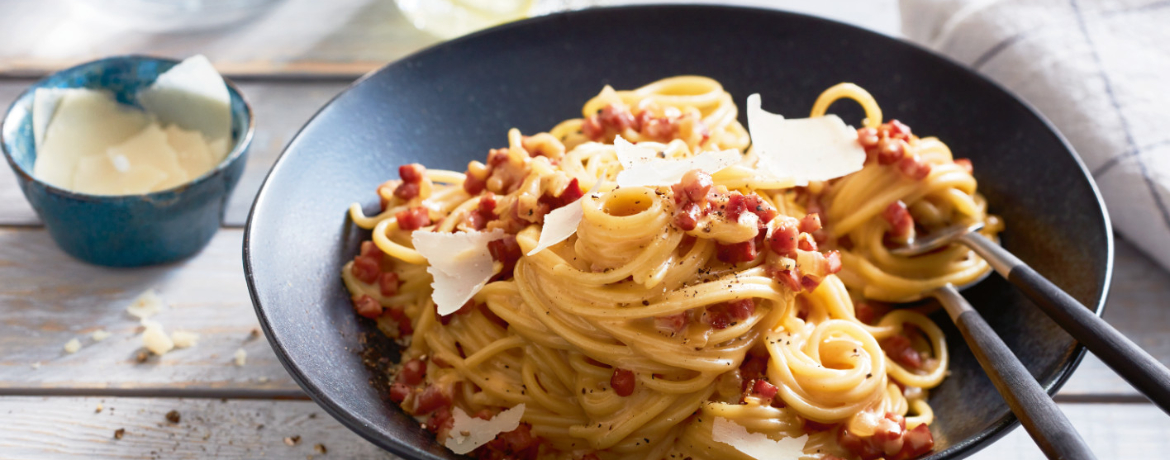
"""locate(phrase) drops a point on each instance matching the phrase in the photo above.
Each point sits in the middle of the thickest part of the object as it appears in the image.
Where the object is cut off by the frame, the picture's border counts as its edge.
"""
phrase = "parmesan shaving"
(467, 433)
(184, 339)
(72, 346)
(757, 445)
(641, 167)
(146, 305)
(561, 223)
(155, 339)
(459, 263)
(806, 149)
(100, 335)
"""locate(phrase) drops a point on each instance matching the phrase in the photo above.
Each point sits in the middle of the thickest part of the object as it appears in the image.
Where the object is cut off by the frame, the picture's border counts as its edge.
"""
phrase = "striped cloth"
(1099, 70)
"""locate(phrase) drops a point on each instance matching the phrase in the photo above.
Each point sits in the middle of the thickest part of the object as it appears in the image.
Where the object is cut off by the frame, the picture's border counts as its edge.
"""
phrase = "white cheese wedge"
(45, 102)
(192, 95)
(459, 262)
(155, 339)
(756, 445)
(641, 167)
(72, 346)
(145, 305)
(184, 339)
(150, 149)
(194, 154)
(84, 123)
(467, 433)
(806, 149)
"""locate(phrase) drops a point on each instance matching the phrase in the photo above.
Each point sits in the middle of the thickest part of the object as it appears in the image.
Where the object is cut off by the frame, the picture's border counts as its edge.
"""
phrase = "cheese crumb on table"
(155, 339)
(72, 346)
(241, 356)
(100, 335)
(145, 305)
(184, 339)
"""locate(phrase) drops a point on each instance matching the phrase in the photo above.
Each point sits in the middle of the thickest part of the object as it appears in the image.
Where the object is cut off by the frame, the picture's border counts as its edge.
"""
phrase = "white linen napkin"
(1097, 69)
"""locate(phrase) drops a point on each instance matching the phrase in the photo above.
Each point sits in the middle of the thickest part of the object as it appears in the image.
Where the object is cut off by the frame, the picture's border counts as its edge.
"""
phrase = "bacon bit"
(806, 242)
(399, 392)
(870, 311)
(898, 130)
(965, 163)
(890, 151)
(474, 185)
(388, 284)
(764, 390)
(788, 278)
(413, 218)
(782, 238)
(623, 382)
(810, 223)
(617, 117)
(433, 397)
(571, 193)
(441, 422)
(407, 191)
(740, 309)
(898, 348)
(518, 444)
(913, 167)
(673, 323)
(887, 436)
(722, 315)
(916, 443)
(901, 222)
(813, 425)
(833, 261)
(412, 372)
(753, 368)
(761, 208)
(365, 269)
(661, 129)
(859, 446)
(497, 157)
(366, 306)
(592, 128)
(485, 211)
(868, 137)
(412, 173)
(737, 252)
(687, 217)
(507, 251)
(736, 205)
(369, 249)
(693, 187)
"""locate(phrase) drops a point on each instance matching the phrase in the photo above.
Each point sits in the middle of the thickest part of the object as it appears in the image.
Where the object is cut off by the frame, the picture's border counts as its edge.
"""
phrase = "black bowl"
(451, 103)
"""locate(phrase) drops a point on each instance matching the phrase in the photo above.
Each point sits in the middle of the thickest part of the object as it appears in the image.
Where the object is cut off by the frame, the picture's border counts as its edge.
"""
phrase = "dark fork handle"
(1132, 363)
(1036, 410)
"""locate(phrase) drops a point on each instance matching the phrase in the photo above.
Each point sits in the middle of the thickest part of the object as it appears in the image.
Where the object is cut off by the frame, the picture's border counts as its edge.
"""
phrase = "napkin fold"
(1097, 69)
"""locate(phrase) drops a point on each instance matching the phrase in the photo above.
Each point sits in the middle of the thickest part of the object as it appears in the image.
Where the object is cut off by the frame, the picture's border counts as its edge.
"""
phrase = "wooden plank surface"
(36, 427)
(279, 108)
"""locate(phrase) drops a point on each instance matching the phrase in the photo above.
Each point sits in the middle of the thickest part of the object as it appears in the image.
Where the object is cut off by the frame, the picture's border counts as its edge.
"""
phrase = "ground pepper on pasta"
(721, 296)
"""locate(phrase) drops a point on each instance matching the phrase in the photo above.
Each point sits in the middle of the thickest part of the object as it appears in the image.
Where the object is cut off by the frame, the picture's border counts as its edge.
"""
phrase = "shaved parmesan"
(146, 305)
(459, 262)
(45, 102)
(100, 335)
(561, 223)
(155, 339)
(806, 149)
(193, 96)
(641, 167)
(79, 123)
(757, 445)
(72, 346)
(184, 339)
(467, 433)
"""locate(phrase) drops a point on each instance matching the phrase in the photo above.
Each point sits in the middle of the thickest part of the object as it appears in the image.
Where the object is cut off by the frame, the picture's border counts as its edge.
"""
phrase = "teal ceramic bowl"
(130, 230)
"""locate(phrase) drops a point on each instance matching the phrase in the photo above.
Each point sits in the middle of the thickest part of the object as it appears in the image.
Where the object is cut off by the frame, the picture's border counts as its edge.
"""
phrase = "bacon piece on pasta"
(412, 372)
(623, 382)
(366, 306)
(412, 176)
(441, 421)
(432, 398)
(507, 251)
(518, 444)
(413, 218)
(870, 311)
(915, 443)
(764, 390)
(736, 252)
(399, 392)
(900, 220)
(887, 436)
(811, 222)
(673, 323)
(761, 208)
(693, 187)
(782, 237)
(899, 349)
(913, 167)
(388, 284)
(890, 151)
(572, 192)
(616, 117)
(687, 216)
(365, 269)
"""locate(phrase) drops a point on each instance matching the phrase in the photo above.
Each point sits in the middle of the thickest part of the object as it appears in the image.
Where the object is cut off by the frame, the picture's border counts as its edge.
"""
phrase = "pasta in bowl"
(651, 281)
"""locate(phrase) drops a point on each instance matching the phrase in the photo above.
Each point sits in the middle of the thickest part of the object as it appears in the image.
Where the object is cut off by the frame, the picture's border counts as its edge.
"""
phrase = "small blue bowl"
(129, 230)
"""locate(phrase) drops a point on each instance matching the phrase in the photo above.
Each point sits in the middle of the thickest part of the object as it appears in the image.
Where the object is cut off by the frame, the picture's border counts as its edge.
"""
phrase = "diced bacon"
(761, 208)
(809, 283)
(687, 217)
(868, 137)
(736, 205)
(764, 390)
(365, 269)
(507, 251)
(617, 117)
(782, 239)
(660, 129)
(388, 284)
(833, 262)
(900, 220)
(913, 167)
(916, 443)
(473, 185)
(805, 242)
(672, 323)
(571, 193)
(412, 173)
(736, 252)
(369, 249)
(887, 436)
(813, 425)
(693, 187)
(399, 392)
(890, 151)
(869, 311)
(441, 422)
(716, 318)
(898, 348)
(965, 163)
(405, 328)
(413, 218)
(623, 382)
(407, 191)
(366, 306)
(898, 130)
(810, 223)
(412, 372)
(860, 447)
(592, 128)
(740, 309)
(518, 444)
(433, 397)
(497, 157)
(788, 278)
(484, 212)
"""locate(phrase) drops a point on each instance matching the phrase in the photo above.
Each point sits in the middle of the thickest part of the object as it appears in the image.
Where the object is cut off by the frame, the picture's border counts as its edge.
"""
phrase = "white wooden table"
(290, 63)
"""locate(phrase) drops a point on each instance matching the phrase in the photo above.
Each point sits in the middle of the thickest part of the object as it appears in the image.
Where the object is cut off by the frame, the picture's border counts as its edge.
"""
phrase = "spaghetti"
(724, 297)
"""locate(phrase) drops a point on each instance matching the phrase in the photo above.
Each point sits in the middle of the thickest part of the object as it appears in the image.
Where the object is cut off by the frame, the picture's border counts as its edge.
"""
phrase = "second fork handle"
(1137, 367)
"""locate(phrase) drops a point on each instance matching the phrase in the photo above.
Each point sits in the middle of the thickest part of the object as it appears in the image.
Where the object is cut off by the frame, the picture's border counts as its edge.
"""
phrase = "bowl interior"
(123, 77)
(451, 103)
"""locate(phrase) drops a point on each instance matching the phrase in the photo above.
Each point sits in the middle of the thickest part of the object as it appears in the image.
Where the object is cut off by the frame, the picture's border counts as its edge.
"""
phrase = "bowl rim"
(238, 148)
(961, 449)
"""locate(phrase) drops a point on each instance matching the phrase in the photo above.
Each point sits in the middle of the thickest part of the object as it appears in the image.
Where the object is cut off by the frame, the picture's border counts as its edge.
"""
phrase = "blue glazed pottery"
(130, 230)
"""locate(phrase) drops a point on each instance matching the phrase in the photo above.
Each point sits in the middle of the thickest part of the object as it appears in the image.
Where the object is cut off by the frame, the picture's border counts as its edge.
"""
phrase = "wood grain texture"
(279, 108)
(66, 427)
(47, 298)
(36, 427)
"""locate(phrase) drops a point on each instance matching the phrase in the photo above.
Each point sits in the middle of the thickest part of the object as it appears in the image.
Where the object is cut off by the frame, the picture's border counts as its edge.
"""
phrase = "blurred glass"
(173, 15)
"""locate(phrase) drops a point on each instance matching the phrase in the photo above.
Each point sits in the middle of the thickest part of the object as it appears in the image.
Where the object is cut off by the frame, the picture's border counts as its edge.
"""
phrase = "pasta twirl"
(728, 295)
